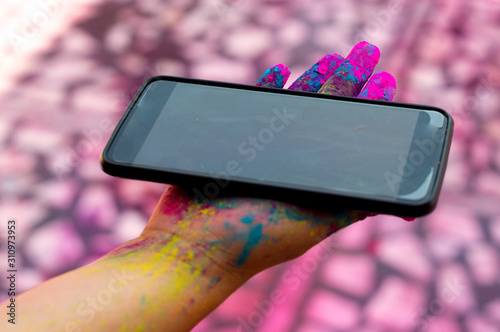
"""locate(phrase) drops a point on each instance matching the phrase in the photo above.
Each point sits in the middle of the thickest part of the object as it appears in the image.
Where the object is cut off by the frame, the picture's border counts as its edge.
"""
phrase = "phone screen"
(293, 141)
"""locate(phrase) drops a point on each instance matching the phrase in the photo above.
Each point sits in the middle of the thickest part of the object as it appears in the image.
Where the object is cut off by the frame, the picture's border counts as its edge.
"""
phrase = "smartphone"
(328, 152)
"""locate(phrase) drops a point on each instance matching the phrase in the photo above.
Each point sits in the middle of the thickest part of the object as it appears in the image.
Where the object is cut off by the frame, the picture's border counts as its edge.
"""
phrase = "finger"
(314, 78)
(352, 74)
(381, 86)
(275, 77)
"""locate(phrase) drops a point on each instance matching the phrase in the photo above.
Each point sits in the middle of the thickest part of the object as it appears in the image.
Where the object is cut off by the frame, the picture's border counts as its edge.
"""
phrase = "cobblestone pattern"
(440, 273)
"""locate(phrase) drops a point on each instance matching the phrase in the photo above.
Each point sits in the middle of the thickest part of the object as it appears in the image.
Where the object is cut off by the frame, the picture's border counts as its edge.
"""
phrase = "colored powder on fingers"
(352, 74)
(316, 76)
(365, 56)
(275, 77)
(382, 86)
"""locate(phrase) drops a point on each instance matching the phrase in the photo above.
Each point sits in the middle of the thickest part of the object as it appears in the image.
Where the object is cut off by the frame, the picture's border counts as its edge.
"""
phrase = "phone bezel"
(301, 197)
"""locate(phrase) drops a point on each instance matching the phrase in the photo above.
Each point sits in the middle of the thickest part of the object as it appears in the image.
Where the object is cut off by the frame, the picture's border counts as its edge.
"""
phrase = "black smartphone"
(316, 150)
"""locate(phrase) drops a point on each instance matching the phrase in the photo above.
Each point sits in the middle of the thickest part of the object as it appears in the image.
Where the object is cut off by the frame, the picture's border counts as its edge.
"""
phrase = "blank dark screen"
(292, 141)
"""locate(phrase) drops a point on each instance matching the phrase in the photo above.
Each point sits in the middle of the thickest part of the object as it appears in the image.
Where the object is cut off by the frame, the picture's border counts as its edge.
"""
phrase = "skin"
(192, 255)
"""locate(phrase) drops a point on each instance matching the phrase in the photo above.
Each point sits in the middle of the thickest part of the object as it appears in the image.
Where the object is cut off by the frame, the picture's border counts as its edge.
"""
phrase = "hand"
(192, 255)
(246, 234)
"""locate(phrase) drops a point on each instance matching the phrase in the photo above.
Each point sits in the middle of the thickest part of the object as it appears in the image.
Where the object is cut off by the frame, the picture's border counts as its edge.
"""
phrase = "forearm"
(190, 258)
(144, 285)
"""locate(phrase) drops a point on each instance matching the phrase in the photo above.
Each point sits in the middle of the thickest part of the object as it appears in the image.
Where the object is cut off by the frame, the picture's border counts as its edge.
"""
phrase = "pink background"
(69, 69)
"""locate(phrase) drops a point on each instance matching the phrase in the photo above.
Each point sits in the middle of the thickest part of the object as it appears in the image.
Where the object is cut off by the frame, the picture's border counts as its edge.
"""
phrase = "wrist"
(172, 256)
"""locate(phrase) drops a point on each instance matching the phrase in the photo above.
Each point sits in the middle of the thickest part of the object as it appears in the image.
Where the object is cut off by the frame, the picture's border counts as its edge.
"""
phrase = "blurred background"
(68, 70)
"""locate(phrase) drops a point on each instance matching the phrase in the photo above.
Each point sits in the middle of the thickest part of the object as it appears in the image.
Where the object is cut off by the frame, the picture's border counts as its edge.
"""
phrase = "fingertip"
(366, 55)
(381, 86)
(385, 78)
(283, 71)
(275, 77)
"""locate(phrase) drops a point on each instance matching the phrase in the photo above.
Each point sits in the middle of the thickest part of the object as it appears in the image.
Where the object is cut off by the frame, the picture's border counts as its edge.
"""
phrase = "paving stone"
(336, 311)
(353, 274)
(484, 264)
(396, 305)
(62, 247)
